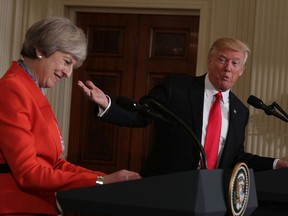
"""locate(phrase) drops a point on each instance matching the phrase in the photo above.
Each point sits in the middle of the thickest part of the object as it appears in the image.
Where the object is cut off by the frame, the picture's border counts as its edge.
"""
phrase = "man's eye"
(236, 63)
(222, 60)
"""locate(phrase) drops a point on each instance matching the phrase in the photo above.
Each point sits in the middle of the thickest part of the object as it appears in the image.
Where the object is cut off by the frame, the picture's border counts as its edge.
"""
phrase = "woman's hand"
(121, 175)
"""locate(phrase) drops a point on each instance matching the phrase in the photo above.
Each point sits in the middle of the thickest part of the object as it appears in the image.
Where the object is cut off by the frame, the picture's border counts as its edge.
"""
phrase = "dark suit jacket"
(172, 148)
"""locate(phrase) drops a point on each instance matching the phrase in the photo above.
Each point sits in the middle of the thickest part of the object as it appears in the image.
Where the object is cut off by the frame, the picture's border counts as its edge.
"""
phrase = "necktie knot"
(218, 95)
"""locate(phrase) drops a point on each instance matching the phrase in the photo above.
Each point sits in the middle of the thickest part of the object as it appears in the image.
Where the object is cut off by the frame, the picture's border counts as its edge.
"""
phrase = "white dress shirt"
(209, 98)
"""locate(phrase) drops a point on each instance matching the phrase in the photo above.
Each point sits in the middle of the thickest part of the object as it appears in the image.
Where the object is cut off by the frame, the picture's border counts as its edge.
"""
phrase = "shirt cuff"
(274, 163)
(101, 111)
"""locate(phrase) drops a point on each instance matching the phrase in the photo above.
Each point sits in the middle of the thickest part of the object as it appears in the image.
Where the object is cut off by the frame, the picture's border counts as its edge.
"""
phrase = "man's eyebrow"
(236, 58)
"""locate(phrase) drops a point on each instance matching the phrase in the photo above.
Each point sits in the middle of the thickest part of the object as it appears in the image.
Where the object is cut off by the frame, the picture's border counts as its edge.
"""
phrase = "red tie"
(213, 132)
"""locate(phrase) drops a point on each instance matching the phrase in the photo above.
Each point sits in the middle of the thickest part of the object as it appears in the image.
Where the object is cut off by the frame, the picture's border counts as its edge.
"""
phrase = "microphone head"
(126, 103)
(255, 102)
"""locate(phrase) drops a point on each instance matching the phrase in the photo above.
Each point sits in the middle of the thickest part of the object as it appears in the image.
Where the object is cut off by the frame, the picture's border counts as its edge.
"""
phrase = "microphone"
(143, 108)
(258, 104)
(269, 110)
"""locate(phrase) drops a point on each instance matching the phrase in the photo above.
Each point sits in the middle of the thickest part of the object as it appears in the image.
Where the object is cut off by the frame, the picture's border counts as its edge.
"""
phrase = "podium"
(272, 185)
(272, 192)
(199, 192)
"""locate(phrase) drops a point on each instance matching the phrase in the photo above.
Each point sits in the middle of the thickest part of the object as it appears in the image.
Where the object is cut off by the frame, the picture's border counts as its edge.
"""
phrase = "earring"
(40, 57)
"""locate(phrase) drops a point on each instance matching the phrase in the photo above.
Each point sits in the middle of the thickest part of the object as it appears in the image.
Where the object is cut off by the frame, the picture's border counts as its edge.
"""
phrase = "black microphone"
(269, 110)
(143, 108)
(258, 104)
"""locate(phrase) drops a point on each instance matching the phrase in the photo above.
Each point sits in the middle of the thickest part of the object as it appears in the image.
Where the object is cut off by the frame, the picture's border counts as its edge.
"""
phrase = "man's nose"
(228, 65)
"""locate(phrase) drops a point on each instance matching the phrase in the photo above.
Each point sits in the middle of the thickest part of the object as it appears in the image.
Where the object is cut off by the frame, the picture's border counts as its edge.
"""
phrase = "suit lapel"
(41, 101)
(233, 115)
(197, 100)
(229, 144)
(34, 90)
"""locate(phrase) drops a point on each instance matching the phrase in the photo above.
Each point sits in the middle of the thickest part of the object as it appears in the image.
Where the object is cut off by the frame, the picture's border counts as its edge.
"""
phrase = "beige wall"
(260, 23)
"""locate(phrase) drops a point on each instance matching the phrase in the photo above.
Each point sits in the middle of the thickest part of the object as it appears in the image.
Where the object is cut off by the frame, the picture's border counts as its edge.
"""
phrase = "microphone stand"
(203, 161)
(284, 118)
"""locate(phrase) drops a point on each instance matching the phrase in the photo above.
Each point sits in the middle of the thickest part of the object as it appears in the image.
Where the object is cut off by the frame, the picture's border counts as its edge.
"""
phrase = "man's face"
(224, 68)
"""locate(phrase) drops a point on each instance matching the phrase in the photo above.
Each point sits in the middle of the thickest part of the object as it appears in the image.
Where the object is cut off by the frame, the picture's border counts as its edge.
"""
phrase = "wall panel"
(267, 135)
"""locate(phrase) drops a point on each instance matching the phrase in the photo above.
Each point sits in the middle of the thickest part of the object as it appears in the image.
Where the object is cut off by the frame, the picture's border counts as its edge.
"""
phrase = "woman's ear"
(39, 54)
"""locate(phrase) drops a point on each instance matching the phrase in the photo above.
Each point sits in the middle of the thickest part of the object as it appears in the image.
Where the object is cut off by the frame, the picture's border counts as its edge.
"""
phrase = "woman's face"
(53, 68)
(224, 68)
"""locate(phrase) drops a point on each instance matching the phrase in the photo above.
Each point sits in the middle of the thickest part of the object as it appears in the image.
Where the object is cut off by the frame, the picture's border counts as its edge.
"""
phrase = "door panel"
(168, 45)
(127, 55)
(109, 65)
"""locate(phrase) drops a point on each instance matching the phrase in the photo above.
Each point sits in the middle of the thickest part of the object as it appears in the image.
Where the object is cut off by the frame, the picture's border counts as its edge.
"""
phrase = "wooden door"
(127, 55)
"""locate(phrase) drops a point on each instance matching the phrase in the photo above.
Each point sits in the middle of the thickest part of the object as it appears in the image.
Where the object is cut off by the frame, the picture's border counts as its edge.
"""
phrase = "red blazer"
(30, 143)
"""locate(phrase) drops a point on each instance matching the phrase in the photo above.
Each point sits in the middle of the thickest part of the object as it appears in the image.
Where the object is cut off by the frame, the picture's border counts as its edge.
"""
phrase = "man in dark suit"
(190, 98)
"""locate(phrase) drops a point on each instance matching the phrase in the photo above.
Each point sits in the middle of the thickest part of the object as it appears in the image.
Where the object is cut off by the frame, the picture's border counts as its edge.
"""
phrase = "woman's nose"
(68, 71)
